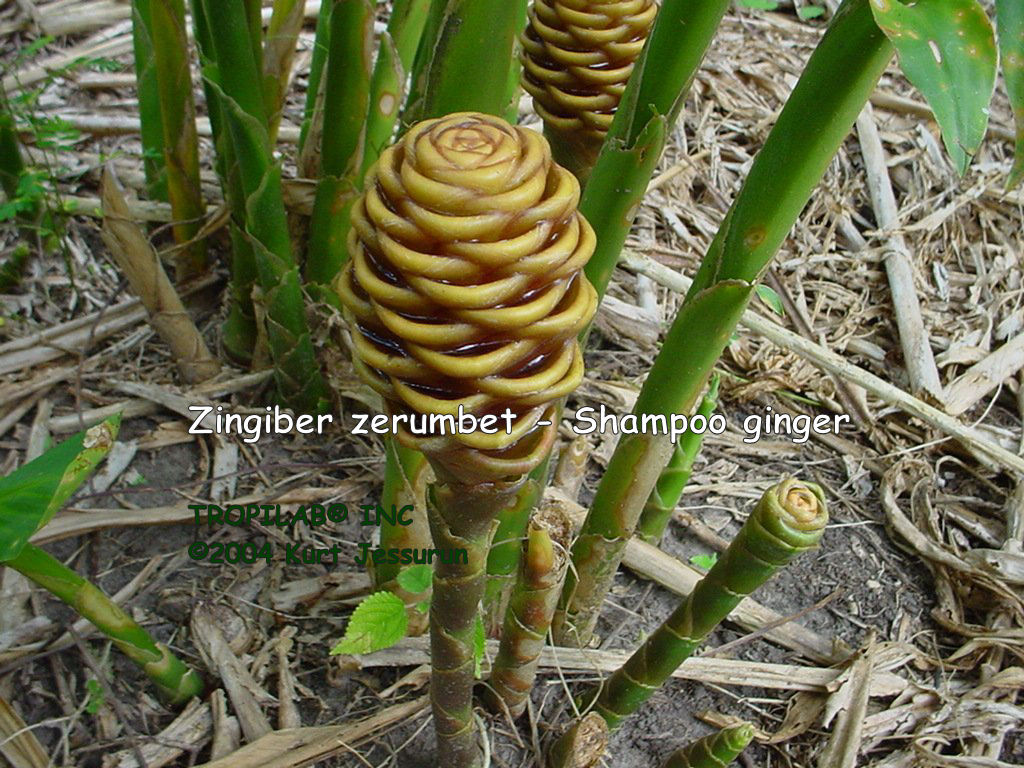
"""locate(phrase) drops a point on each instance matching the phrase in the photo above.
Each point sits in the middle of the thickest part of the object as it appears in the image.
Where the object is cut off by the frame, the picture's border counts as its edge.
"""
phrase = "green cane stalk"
(179, 139)
(176, 682)
(788, 520)
(716, 750)
(507, 549)
(238, 333)
(476, 36)
(405, 479)
(649, 108)
(241, 95)
(28, 211)
(151, 122)
(530, 610)
(834, 87)
(666, 494)
(312, 117)
(286, 21)
(346, 102)
(461, 517)
(395, 59)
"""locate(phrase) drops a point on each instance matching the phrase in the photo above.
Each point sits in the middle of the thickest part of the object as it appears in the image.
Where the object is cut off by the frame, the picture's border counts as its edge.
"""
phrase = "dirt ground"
(900, 586)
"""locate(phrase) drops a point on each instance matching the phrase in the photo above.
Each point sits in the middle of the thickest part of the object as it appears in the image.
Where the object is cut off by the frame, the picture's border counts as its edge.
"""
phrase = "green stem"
(714, 751)
(148, 90)
(788, 520)
(176, 682)
(654, 96)
(530, 610)
(394, 60)
(278, 52)
(295, 366)
(12, 165)
(666, 494)
(313, 114)
(346, 101)
(179, 139)
(477, 37)
(404, 474)
(461, 517)
(507, 549)
(841, 74)
(239, 329)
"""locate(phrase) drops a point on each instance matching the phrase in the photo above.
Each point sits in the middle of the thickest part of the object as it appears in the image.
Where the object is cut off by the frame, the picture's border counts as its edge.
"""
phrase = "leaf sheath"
(716, 750)
(176, 682)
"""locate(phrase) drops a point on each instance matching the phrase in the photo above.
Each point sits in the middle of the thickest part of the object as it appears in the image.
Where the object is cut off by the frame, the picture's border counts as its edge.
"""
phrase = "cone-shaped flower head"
(465, 288)
(577, 57)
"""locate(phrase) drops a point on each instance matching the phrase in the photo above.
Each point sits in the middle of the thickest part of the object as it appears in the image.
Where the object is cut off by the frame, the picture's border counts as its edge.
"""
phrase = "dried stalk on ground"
(140, 263)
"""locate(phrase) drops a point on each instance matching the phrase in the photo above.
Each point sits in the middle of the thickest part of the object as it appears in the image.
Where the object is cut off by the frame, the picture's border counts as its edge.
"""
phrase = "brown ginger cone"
(465, 294)
(577, 57)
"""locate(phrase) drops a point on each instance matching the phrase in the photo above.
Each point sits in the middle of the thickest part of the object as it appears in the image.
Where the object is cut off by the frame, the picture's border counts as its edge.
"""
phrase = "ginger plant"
(29, 497)
(464, 295)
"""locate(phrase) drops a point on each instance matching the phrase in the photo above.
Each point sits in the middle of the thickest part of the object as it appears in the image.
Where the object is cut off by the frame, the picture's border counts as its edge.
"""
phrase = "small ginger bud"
(465, 291)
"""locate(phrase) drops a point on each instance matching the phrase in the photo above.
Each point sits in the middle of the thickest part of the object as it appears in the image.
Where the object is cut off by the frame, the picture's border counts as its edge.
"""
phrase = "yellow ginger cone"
(577, 57)
(465, 288)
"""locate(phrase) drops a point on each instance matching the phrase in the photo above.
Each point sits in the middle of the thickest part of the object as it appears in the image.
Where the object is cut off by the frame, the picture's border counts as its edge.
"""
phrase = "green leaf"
(479, 645)
(704, 562)
(771, 298)
(947, 51)
(1010, 20)
(808, 12)
(95, 700)
(31, 495)
(416, 578)
(760, 5)
(377, 622)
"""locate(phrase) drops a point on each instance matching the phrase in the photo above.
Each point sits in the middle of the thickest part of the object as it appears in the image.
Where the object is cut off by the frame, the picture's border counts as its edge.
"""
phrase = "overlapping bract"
(465, 286)
(577, 57)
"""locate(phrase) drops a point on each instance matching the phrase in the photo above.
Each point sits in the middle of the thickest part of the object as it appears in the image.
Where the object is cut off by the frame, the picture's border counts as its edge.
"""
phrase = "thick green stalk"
(346, 101)
(179, 139)
(404, 483)
(241, 96)
(176, 682)
(714, 751)
(149, 100)
(462, 517)
(507, 549)
(278, 52)
(654, 96)
(834, 87)
(530, 609)
(309, 167)
(238, 332)
(666, 494)
(476, 40)
(394, 60)
(788, 520)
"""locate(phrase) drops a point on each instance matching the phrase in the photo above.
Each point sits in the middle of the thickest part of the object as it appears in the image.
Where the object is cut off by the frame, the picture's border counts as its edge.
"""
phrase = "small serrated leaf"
(378, 622)
(705, 562)
(771, 298)
(416, 578)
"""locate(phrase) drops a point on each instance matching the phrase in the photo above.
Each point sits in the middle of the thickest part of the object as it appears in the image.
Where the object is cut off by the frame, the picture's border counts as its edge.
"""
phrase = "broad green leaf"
(31, 495)
(771, 298)
(947, 51)
(378, 622)
(760, 5)
(1010, 21)
(416, 578)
